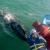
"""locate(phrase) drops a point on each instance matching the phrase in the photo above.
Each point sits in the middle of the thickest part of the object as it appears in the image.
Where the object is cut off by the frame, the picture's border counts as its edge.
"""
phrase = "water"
(26, 11)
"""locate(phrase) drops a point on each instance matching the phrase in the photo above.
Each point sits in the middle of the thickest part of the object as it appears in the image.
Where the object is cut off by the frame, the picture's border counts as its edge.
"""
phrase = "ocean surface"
(26, 11)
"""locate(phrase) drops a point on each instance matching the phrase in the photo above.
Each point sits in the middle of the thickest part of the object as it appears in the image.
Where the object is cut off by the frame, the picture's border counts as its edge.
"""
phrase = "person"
(44, 31)
(35, 41)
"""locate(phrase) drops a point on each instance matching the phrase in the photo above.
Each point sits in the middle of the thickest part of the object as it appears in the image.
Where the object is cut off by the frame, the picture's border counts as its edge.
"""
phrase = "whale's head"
(8, 18)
